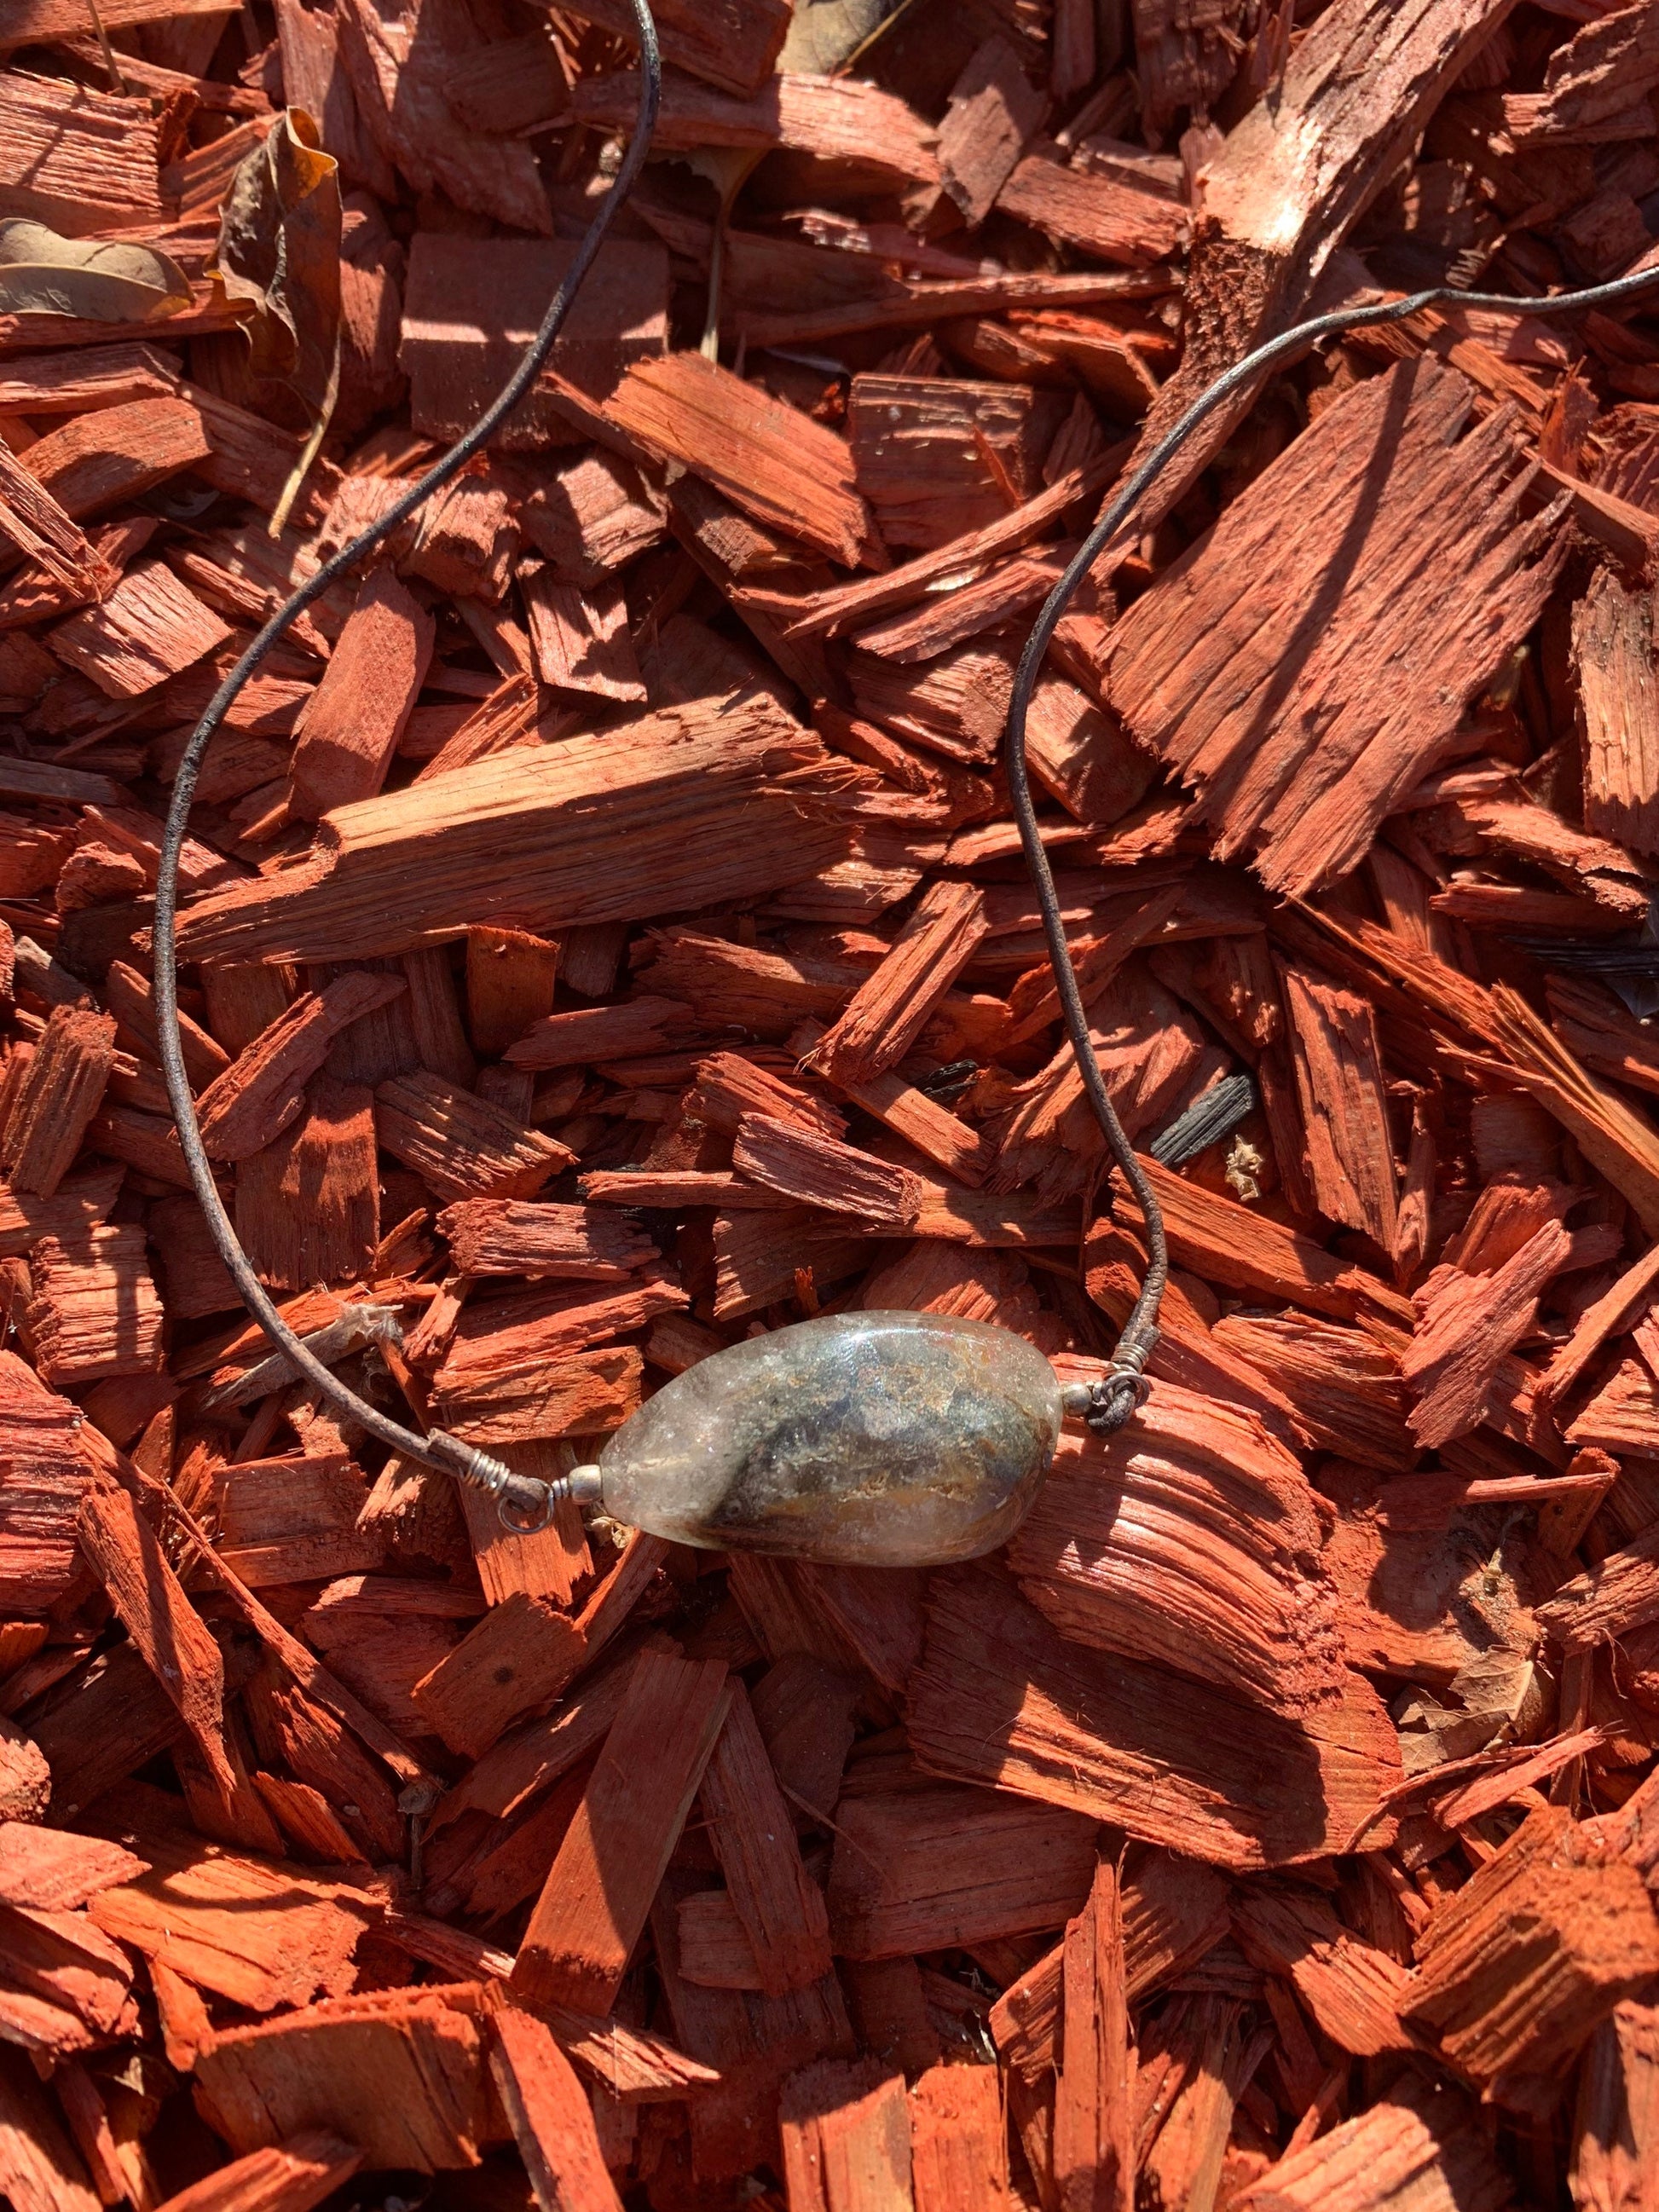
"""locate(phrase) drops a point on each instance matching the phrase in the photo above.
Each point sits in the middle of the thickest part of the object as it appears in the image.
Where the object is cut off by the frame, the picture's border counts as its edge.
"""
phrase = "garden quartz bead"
(868, 1439)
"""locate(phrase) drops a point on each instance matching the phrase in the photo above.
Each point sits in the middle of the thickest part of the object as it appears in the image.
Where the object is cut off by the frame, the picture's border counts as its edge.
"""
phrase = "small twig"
(119, 83)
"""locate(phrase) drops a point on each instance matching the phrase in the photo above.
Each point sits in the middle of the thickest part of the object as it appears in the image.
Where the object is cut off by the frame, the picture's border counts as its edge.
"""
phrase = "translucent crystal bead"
(877, 1439)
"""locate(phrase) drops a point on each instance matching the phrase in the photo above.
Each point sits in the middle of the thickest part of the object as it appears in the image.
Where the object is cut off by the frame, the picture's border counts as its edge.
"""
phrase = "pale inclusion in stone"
(877, 1439)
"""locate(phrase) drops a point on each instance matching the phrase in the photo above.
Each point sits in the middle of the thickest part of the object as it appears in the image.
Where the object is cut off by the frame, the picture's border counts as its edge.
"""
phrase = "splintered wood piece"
(1516, 1969)
(1284, 189)
(550, 1563)
(1352, 1990)
(1420, 2149)
(72, 158)
(886, 1015)
(1592, 89)
(467, 318)
(868, 132)
(709, 802)
(243, 999)
(966, 1154)
(525, 1653)
(765, 993)
(501, 1352)
(294, 1520)
(1189, 1538)
(1466, 1326)
(47, 1111)
(1613, 646)
(780, 1907)
(149, 628)
(1079, 752)
(250, 458)
(848, 606)
(510, 1237)
(400, 2073)
(399, 82)
(935, 1868)
(115, 453)
(43, 1471)
(350, 727)
(49, 1870)
(250, 1930)
(958, 2140)
(434, 1016)
(289, 2177)
(598, 1891)
(386, 1634)
(867, 1619)
(955, 706)
(527, 1762)
(1613, 1138)
(1344, 1108)
(811, 1170)
(804, 1709)
(1344, 1386)
(993, 109)
(716, 1952)
(732, 44)
(1304, 788)
(789, 472)
(1109, 220)
(728, 1086)
(525, 1401)
(581, 637)
(1174, 1912)
(1190, 1356)
(69, 1969)
(551, 2119)
(458, 1143)
(1094, 2151)
(1174, 1762)
(150, 1602)
(593, 515)
(510, 974)
(1620, 1593)
(64, 565)
(1624, 1414)
(80, 1203)
(631, 2064)
(307, 1821)
(28, 1783)
(41, 2170)
(307, 1206)
(131, 997)
(628, 1031)
(935, 455)
(1606, 1316)
(262, 1092)
(1246, 1250)
(93, 1310)
(846, 2138)
(1616, 2123)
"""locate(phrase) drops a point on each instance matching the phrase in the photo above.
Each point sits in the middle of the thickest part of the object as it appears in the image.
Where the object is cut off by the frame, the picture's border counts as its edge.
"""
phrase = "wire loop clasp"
(1106, 1403)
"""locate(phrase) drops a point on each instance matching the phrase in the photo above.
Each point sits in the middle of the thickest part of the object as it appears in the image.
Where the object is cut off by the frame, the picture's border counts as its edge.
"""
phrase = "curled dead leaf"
(827, 36)
(42, 273)
(279, 252)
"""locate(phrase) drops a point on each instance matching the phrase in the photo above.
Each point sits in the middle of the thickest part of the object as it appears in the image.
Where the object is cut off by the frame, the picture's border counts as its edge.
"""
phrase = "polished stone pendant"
(874, 1439)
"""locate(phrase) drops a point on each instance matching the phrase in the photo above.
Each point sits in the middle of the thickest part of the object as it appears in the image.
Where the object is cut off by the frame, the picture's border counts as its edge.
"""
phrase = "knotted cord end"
(1117, 1394)
(1106, 1405)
